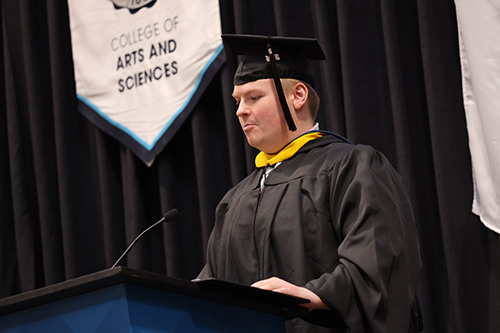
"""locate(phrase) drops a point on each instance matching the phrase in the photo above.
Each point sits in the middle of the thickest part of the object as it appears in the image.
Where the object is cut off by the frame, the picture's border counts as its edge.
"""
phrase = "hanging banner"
(479, 31)
(142, 65)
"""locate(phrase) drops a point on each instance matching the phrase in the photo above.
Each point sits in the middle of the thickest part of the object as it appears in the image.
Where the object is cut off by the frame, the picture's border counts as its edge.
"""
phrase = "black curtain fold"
(72, 198)
(329, 85)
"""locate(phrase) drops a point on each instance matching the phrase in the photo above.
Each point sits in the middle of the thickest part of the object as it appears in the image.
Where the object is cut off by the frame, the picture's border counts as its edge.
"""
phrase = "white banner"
(141, 65)
(479, 32)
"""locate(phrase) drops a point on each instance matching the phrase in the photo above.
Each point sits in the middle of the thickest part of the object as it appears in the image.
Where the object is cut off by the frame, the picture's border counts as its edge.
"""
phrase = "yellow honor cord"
(262, 159)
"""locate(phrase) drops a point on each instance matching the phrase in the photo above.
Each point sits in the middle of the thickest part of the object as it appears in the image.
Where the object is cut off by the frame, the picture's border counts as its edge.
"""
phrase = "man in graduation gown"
(319, 218)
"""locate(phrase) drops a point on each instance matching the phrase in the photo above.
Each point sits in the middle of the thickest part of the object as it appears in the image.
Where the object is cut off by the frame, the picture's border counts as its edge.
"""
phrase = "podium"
(128, 300)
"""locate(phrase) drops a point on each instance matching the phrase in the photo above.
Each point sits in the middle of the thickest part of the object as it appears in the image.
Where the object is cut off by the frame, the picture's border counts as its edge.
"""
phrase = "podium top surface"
(212, 289)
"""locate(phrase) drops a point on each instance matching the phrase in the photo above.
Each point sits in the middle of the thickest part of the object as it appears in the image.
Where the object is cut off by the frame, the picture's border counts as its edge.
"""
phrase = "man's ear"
(300, 94)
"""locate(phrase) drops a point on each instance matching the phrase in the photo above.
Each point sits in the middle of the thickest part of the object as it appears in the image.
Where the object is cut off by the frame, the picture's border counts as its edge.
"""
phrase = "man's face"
(260, 115)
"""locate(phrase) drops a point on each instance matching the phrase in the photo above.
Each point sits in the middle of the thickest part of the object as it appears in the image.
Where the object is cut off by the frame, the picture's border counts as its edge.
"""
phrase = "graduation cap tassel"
(271, 60)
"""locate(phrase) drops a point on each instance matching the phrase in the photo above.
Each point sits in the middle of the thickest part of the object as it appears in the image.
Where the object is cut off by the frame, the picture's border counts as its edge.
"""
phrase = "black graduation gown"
(334, 218)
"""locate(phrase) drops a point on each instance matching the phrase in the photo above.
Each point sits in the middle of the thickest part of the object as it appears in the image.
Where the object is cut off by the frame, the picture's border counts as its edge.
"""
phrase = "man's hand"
(282, 286)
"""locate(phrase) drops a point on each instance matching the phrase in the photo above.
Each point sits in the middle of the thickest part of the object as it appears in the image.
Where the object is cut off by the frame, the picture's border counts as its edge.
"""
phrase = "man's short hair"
(313, 99)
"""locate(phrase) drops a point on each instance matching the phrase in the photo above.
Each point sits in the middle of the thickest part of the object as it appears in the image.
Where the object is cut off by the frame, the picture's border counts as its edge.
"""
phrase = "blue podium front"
(124, 300)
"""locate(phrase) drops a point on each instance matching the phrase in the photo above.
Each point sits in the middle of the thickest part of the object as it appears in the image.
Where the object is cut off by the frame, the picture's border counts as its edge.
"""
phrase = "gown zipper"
(256, 245)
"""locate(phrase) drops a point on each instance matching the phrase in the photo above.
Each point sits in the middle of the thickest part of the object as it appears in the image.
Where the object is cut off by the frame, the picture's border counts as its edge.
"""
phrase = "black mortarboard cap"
(274, 57)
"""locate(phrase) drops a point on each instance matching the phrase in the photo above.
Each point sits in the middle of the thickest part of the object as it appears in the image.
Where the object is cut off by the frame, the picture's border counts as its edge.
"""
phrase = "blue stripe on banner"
(172, 119)
(111, 121)
(202, 74)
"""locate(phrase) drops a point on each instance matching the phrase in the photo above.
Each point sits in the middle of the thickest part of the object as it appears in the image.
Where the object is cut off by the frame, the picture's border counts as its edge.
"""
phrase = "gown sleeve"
(373, 286)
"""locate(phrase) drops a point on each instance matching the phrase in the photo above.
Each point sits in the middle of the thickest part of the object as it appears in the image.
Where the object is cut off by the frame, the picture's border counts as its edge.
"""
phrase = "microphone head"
(171, 214)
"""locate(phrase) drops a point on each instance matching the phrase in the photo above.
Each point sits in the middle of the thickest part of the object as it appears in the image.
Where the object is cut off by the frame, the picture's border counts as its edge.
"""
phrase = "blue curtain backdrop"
(72, 198)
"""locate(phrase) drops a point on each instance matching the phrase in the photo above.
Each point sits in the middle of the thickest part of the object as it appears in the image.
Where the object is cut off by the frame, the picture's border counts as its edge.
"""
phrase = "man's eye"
(254, 98)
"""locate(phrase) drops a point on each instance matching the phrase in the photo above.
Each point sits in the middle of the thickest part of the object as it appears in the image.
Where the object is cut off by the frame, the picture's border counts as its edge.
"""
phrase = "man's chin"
(253, 143)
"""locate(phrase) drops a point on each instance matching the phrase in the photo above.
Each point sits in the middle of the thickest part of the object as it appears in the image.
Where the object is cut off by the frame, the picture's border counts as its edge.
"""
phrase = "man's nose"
(242, 110)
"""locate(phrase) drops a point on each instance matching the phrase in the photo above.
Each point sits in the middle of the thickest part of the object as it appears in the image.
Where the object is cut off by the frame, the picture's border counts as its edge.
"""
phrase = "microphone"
(167, 217)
